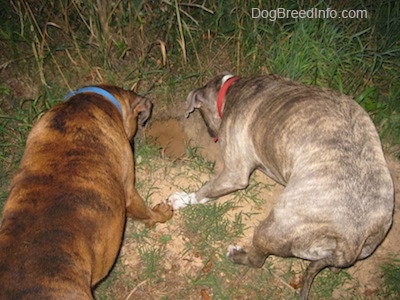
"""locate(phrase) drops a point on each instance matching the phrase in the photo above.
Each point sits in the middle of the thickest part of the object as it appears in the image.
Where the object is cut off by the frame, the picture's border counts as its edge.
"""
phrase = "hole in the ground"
(169, 136)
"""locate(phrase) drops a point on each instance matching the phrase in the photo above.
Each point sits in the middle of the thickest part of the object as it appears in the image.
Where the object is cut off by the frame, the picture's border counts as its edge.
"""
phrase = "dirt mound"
(169, 136)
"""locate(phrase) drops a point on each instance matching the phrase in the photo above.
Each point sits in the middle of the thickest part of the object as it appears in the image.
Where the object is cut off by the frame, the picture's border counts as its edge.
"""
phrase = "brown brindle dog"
(64, 219)
(338, 201)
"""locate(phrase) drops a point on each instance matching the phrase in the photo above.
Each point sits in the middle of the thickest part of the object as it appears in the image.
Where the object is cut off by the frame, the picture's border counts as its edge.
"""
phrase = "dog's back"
(50, 235)
(324, 147)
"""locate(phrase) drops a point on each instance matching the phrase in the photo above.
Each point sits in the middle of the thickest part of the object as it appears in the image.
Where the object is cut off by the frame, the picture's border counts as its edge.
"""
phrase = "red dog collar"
(221, 94)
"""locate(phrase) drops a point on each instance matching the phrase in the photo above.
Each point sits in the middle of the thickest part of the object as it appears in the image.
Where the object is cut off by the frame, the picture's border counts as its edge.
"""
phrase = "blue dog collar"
(96, 90)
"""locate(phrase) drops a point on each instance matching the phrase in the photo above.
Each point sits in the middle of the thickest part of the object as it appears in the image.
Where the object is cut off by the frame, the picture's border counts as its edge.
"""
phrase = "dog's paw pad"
(233, 250)
(180, 200)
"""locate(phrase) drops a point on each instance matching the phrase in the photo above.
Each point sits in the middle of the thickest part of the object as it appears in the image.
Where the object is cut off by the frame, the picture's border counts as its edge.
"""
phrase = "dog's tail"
(312, 270)
(345, 255)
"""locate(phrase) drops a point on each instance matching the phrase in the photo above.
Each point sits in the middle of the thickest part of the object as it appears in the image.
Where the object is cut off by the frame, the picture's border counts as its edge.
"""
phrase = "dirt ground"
(171, 136)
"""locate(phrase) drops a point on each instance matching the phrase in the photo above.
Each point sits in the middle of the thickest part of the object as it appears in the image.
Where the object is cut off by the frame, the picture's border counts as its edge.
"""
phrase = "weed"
(151, 259)
(105, 289)
(326, 282)
(392, 279)
(145, 154)
(252, 192)
(139, 234)
(197, 162)
(209, 224)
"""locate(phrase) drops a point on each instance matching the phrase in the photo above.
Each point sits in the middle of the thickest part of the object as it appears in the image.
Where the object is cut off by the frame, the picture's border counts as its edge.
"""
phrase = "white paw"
(180, 200)
(232, 249)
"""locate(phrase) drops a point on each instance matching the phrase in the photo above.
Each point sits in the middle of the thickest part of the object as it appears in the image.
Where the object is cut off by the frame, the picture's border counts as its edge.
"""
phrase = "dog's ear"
(194, 100)
(143, 110)
(139, 112)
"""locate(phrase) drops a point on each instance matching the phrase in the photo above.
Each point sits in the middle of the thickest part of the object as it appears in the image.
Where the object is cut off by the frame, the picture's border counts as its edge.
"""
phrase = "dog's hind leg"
(253, 258)
(274, 237)
(264, 243)
(256, 258)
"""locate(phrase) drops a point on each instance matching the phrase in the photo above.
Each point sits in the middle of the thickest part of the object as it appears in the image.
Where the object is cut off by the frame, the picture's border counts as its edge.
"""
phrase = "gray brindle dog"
(338, 200)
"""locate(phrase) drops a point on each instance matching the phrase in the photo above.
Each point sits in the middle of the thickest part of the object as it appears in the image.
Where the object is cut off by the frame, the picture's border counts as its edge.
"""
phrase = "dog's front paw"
(180, 200)
(164, 210)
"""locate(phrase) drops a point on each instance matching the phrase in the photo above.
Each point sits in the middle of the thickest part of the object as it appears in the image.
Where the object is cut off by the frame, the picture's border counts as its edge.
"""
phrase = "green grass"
(197, 162)
(326, 282)
(105, 288)
(145, 154)
(353, 56)
(150, 257)
(209, 224)
(251, 194)
(391, 272)
(165, 49)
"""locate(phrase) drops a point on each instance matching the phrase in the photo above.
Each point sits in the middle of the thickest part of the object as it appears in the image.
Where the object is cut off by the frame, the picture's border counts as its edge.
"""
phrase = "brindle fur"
(64, 219)
(338, 200)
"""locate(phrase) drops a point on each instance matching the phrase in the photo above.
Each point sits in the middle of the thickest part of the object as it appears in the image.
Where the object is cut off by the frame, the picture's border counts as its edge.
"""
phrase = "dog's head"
(135, 108)
(205, 100)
